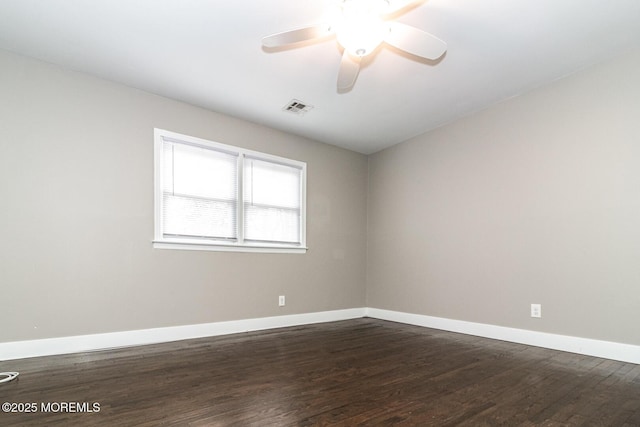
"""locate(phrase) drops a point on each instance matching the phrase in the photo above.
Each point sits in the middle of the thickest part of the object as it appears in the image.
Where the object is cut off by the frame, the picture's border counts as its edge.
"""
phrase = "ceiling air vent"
(297, 107)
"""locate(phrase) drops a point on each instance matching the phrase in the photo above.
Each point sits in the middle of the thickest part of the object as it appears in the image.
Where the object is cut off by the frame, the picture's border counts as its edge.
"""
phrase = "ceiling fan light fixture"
(361, 37)
(360, 28)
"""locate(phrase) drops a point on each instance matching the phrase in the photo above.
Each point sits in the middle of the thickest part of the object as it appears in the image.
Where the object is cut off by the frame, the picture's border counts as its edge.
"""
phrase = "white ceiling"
(208, 53)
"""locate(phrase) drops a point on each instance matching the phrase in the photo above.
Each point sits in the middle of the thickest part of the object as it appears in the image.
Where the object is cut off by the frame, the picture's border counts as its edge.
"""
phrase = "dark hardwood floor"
(357, 372)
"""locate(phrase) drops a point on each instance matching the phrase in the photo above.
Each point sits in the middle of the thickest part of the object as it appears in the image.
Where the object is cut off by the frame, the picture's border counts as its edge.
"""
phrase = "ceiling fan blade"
(349, 69)
(415, 41)
(398, 5)
(296, 36)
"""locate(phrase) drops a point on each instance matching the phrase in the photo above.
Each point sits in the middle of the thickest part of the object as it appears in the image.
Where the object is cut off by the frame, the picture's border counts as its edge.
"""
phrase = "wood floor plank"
(358, 372)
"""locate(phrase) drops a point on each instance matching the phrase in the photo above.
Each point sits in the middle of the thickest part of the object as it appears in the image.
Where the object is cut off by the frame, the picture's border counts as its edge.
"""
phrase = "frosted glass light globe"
(361, 29)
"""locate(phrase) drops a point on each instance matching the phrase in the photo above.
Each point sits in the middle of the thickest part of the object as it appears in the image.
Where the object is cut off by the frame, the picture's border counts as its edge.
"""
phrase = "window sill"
(274, 249)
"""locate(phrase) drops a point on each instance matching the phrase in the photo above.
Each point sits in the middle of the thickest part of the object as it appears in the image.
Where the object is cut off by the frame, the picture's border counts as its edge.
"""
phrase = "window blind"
(199, 190)
(272, 201)
(213, 196)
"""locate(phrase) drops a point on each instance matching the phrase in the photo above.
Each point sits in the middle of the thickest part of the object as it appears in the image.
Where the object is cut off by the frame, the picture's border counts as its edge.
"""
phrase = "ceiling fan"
(360, 26)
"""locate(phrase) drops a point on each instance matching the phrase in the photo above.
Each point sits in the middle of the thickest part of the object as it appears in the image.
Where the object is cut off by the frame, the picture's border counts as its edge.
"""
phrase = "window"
(211, 196)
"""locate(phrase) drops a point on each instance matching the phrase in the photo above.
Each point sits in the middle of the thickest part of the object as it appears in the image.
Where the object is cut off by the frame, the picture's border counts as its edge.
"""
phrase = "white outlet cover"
(281, 300)
(536, 310)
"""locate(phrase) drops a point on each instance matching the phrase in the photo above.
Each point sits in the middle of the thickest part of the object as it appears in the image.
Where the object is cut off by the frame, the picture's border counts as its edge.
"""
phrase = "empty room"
(318, 212)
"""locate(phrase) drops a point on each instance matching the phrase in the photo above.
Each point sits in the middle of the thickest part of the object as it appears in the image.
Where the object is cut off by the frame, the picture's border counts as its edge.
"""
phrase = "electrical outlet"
(536, 310)
(281, 301)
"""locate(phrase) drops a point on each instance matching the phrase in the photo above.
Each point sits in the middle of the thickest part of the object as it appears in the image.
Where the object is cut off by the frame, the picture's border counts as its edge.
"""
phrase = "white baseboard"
(83, 343)
(590, 347)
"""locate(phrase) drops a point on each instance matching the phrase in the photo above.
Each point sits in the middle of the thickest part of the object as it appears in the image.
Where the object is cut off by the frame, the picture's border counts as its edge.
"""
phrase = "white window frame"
(161, 242)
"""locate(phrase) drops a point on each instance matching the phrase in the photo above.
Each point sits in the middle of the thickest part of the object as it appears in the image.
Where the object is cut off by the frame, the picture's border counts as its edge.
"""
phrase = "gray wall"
(534, 200)
(76, 217)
